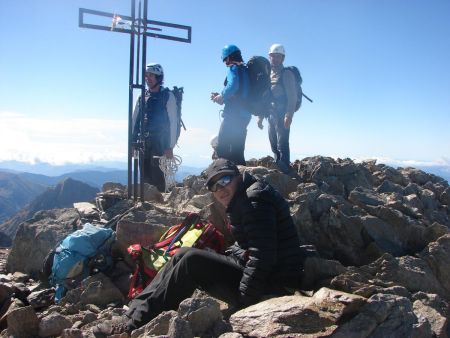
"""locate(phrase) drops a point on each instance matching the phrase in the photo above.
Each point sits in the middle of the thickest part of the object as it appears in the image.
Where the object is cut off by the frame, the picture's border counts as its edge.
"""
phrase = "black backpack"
(259, 97)
(178, 93)
(298, 84)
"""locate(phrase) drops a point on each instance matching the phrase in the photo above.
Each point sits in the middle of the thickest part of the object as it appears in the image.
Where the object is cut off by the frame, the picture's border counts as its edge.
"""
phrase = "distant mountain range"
(93, 174)
(63, 195)
(19, 188)
(15, 192)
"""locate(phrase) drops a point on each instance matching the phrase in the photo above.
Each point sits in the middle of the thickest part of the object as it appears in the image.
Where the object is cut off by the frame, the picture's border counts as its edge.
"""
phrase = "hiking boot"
(115, 326)
(283, 167)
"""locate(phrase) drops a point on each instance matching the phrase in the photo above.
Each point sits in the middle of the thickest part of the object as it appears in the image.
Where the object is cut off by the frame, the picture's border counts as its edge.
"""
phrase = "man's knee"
(193, 259)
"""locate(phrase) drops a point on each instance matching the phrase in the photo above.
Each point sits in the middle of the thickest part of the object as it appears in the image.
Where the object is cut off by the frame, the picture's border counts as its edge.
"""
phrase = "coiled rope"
(169, 167)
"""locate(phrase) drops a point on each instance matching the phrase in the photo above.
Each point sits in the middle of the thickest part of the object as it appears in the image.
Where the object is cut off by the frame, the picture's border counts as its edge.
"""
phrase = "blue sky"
(377, 70)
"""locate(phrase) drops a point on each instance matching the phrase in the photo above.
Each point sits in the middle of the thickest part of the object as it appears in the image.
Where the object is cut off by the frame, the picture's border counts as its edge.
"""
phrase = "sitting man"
(264, 260)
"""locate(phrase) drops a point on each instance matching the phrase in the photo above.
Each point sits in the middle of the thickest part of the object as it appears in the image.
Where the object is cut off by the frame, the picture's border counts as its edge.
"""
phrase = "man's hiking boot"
(282, 167)
(115, 326)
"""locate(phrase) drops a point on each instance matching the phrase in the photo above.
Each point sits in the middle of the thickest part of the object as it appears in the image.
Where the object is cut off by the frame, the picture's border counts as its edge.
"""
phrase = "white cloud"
(81, 140)
(442, 162)
(59, 141)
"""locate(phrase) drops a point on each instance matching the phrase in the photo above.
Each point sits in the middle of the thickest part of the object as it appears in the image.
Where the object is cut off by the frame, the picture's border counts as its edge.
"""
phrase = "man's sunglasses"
(220, 183)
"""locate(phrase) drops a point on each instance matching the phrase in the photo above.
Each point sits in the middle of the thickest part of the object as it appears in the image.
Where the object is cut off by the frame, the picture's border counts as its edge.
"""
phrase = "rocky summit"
(377, 262)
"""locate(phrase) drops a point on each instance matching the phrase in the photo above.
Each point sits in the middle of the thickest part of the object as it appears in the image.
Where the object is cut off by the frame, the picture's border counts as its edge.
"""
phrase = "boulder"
(37, 236)
(318, 314)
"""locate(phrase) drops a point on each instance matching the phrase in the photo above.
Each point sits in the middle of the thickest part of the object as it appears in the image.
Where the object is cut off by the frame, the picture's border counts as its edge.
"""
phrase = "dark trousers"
(152, 173)
(231, 138)
(188, 270)
(279, 140)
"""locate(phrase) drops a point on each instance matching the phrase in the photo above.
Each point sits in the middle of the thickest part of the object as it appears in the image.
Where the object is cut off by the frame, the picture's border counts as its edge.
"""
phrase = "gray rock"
(283, 183)
(435, 311)
(445, 196)
(53, 325)
(23, 322)
(87, 210)
(179, 328)
(388, 186)
(200, 201)
(316, 269)
(144, 225)
(99, 290)
(41, 299)
(412, 273)
(361, 196)
(428, 199)
(113, 186)
(37, 236)
(437, 256)
(72, 333)
(158, 326)
(200, 313)
(383, 316)
(418, 176)
(296, 314)
(231, 335)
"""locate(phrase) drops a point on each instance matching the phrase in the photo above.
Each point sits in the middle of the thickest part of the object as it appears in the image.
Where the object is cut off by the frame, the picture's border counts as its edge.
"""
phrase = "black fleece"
(267, 242)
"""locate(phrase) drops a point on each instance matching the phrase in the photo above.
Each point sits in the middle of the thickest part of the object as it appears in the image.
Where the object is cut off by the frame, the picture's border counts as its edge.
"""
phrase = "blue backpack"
(81, 253)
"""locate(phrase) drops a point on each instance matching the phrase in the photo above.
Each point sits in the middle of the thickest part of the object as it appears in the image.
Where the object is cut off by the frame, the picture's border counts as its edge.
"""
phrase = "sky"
(377, 70)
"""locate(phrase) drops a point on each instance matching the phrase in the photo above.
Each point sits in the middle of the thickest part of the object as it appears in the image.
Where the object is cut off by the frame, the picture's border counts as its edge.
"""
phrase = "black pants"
(188, 270)
(152, 173)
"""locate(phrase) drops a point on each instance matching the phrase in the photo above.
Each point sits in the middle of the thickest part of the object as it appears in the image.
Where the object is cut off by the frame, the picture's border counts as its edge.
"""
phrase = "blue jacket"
(236, 91)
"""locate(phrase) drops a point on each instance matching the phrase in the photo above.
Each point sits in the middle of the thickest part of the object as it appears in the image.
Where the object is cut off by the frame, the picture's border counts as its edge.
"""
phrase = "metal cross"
(139, 28)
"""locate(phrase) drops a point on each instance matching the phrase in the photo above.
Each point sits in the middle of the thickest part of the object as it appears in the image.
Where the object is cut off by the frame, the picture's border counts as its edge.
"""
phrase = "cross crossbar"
(152, 25)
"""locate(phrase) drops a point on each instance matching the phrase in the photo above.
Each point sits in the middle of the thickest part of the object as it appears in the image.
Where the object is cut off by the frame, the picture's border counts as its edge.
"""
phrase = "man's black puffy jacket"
(267, 243)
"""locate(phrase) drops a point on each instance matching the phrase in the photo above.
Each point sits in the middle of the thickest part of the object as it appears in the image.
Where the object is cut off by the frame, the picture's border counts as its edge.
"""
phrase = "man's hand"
(287, 121)
(260, 122)
(168, 153)
(217, 98)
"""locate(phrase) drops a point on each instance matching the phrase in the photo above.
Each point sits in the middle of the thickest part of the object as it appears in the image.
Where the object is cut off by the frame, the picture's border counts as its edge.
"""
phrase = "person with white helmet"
(159, 130)
(236, 117)
(284, 95)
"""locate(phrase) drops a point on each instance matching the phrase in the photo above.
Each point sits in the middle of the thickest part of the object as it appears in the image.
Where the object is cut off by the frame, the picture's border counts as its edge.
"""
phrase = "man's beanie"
(221, 166)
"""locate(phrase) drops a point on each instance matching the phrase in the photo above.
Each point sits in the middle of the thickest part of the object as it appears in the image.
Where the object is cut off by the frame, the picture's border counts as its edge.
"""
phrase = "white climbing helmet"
(276, 48)
(155, 68)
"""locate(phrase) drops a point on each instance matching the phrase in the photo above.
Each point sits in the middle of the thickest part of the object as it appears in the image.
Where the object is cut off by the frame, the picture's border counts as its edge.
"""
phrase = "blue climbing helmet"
(228, 50)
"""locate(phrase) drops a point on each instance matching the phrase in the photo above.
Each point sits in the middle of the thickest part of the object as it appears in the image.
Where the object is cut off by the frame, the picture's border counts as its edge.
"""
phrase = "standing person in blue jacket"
(236, 117)
(159, 129)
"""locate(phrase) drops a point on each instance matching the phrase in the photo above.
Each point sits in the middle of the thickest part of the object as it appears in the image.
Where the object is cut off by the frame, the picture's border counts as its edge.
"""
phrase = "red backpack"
(192, 232)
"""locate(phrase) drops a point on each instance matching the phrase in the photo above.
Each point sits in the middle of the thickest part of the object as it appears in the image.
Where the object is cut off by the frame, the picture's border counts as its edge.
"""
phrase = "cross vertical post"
(139, 28)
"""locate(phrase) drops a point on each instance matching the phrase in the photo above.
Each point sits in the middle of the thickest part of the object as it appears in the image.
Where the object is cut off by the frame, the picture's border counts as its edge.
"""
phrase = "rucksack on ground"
(192, 232)
(260, 95)
(80, 254)
(298, 84)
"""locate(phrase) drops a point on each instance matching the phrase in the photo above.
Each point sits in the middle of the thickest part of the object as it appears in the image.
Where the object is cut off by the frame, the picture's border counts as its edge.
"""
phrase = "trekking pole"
(306, 97)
